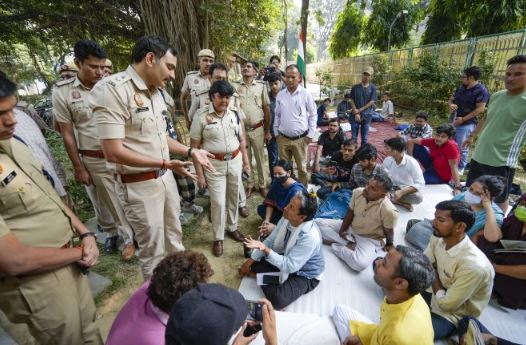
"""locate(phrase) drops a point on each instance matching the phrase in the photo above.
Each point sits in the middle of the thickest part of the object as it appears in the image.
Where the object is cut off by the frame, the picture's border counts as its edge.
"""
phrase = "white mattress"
(341, 285)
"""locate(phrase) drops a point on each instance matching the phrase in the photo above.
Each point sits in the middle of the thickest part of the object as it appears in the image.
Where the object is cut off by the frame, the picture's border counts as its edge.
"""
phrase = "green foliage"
(427, 85)
(443, 24)
(381, 72)
(384, 12)
(486, 62)
(325, 79)
(347, 30)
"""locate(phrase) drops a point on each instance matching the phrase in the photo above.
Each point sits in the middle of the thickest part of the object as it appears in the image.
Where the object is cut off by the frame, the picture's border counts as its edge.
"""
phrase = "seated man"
(371, 218)
(294, 249)
(338, 170)
(419, 129)
(329, 142)
(387, 111)
(212, 314)
(150, 306)
(439, 156)
(344, 108)
(464, 276)
(405, 173)
(367, 167)
(323, 118)
(404, 316)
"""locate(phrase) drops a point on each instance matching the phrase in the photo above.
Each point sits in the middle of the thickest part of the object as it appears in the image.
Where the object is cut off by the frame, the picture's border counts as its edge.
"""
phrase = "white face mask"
(471, 198)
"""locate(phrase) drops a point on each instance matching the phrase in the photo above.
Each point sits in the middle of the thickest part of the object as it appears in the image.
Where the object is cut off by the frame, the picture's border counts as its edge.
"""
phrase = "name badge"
(142, 109)
(8, 179)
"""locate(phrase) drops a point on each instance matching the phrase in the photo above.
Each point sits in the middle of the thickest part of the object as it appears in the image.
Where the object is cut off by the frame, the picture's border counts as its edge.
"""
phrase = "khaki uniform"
(57, 306)
(254, 97)
(125, 109)
(220, 135)
(71, 104)
(193, 83)
(234, 73)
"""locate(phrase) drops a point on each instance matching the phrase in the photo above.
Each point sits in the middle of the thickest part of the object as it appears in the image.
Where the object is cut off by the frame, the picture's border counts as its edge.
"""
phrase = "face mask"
(471, 198)
(520, 213)
(281, 178)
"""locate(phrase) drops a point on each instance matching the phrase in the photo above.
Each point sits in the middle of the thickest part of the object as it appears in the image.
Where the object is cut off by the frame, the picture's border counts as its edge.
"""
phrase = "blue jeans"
(272, 150)
(461, 135)
(377, 117)
(323, 192)
(421, 154)
(362, 126)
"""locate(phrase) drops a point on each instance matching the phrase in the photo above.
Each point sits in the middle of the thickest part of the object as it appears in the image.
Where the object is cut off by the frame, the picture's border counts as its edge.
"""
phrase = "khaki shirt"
(253, 97)
(370, 218)
(29, 206)
(234, 73)
(216, 134)
(202, 100)
(195, 82)
(467, 276)
(125, 109)
(71, 104)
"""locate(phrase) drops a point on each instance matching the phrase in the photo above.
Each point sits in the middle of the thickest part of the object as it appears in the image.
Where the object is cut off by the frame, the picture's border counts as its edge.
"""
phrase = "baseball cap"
(206, 52)
(209, 314)
(369, 70)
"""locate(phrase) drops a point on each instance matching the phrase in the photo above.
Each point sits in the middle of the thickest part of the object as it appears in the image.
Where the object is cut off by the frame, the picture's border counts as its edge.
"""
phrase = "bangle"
(163, 166)
(87, 234)
(190, 151)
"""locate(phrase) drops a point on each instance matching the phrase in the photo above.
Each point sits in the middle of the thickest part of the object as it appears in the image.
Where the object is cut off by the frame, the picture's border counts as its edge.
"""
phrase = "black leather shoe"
(110, 245)
(236, 235)
(217, 248)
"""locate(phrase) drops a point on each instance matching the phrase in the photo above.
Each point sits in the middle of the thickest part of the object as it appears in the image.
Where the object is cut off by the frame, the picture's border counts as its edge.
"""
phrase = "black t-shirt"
(343, 168)
(330, 146)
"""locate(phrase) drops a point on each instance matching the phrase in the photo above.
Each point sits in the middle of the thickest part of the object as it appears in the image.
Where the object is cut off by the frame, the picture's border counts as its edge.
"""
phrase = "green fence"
(461, 53)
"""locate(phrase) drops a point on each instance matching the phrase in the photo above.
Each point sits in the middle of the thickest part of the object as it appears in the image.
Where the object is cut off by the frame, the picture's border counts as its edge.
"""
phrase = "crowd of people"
(119, 135)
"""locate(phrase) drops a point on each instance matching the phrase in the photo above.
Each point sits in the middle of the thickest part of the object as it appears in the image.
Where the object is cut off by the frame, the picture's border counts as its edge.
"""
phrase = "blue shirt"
(467, 99)
(304, 259)
(272, 100)
(361, 96)
(321, 110)
(480, 216)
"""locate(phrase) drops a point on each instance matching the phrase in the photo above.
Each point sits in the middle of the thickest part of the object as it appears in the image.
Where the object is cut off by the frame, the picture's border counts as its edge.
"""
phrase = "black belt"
(296, 137)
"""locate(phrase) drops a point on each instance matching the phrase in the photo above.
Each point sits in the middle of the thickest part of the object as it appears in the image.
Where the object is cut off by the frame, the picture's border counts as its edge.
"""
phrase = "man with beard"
(329, 142)
(464, 276)
(371, 218)
(404, 317)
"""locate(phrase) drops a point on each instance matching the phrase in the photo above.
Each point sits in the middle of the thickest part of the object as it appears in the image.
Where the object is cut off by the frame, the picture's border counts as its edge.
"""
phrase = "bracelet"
(87, 234)
(163, 166)
(190, 151)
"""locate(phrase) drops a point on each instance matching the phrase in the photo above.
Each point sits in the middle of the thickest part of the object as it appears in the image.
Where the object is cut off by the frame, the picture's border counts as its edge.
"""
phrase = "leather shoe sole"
(217, 248)
(236, 235)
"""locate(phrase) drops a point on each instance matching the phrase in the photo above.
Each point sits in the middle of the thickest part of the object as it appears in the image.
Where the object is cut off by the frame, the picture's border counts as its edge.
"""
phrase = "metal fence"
(461, 53)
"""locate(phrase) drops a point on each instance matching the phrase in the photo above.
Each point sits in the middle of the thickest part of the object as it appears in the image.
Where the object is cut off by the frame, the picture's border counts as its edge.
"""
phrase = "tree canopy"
(347, 30)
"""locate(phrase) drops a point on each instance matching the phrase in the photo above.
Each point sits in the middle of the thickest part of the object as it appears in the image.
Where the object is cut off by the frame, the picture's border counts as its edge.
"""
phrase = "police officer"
(255, 104)
(129, 109)
(218, 71)
(71, 107)
(41, 284)
(218, 129)
(196, 80)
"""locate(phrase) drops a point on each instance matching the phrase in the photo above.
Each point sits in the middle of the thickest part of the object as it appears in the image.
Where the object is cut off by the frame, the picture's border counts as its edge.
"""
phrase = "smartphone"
(252, 329)
(254, 311)
(270, 280)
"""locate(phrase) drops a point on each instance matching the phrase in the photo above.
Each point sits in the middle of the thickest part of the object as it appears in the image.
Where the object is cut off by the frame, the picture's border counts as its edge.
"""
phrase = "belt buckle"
(228, 156)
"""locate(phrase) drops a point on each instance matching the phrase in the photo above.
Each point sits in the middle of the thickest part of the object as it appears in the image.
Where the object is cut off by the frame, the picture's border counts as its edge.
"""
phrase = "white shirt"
(407, 173)
(387, 108)
(295, 113)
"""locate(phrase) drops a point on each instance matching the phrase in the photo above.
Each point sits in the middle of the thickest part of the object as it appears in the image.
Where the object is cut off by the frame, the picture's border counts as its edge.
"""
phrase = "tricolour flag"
(301, 56)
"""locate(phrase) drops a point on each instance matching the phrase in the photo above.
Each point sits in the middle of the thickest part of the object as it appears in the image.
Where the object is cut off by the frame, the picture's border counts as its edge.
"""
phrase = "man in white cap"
(196, 80)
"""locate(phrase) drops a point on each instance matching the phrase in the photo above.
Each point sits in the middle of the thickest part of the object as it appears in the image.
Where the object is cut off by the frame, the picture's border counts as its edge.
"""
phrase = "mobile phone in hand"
(252, 329)
(254, 311)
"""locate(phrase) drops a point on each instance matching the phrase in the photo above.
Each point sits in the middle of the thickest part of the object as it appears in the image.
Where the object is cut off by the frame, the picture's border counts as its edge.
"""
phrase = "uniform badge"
(75, 94)
(209, 119)
(196, 81)
(138, 100)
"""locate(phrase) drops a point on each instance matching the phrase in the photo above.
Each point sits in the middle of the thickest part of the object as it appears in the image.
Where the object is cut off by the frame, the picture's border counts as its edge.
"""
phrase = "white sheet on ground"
(341, 285)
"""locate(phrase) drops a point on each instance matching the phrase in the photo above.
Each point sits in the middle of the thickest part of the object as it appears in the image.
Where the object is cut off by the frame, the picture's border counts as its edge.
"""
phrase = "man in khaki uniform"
(218, 129)
(195, 81)
(255, 104)
(41, 284)
(218, 71)
(71, 107)
(234, 70)
(129, 110)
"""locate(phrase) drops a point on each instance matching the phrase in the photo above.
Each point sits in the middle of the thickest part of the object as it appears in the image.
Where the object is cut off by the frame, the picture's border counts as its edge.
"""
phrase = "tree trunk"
(304, 21)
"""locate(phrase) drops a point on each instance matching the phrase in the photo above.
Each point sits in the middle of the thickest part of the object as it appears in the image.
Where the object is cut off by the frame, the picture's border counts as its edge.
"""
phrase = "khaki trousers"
(223, 186)
(152, 208)
(103, 195)
(57, 306)
(296, 149)
(256, 148)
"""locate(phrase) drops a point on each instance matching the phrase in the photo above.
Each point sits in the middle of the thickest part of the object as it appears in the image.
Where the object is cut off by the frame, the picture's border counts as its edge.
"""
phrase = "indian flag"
(301, 56)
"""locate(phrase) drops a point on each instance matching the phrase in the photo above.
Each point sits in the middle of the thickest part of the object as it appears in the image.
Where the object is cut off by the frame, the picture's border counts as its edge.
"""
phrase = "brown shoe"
(127, 252)
(243, 212)
(263, 191)
(217, 248)
(236, 235)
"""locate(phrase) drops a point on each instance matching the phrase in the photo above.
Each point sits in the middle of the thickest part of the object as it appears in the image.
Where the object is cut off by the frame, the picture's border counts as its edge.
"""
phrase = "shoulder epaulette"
(202, 92)
(261, 82)
(117, 79)
(192, 72)
(65, 81)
